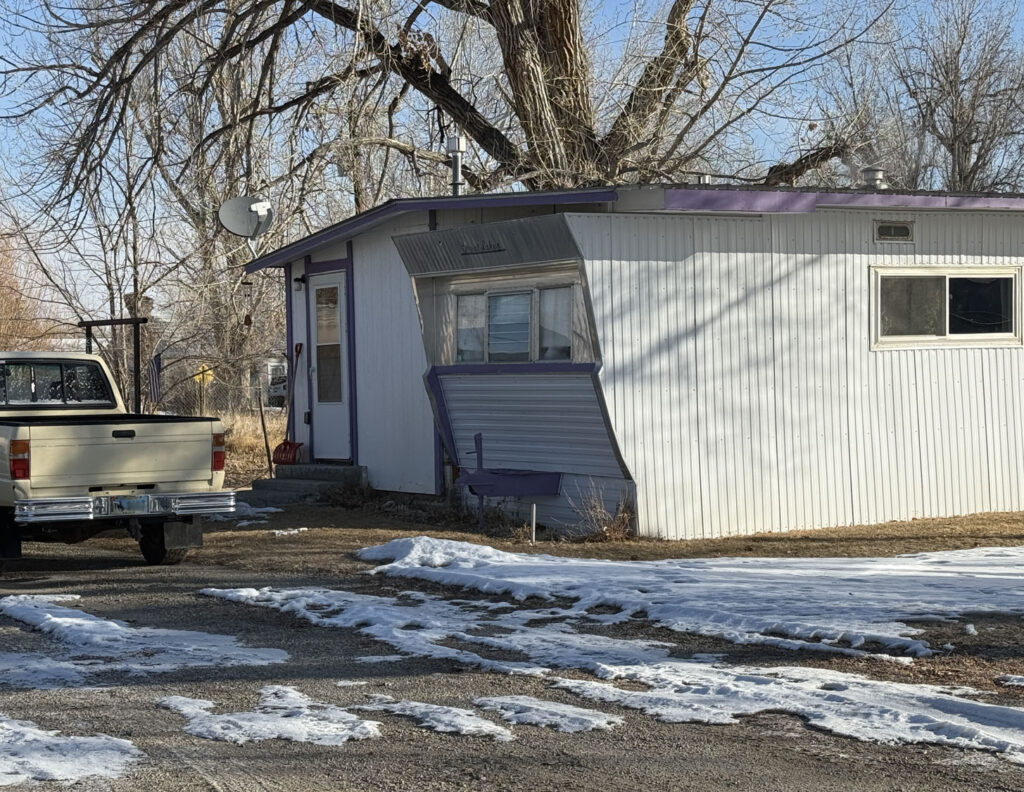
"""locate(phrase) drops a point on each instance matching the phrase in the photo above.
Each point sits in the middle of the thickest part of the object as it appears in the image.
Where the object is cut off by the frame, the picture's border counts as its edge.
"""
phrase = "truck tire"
(156, 553)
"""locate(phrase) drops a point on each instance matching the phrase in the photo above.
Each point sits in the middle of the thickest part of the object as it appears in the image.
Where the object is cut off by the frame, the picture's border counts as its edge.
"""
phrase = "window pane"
(85, 384)
(913, 306)
(49, 387)
(980, 305)
(469, 336)
(328, 372)
(327, 329)
(556, 324)
(19, 384)
(508, 328)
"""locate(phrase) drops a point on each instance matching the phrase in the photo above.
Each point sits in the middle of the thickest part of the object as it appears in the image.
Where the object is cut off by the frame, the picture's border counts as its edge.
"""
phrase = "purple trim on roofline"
(361, 222)
(795, 202)
(350, 322)
(290, 357)
(517, 368)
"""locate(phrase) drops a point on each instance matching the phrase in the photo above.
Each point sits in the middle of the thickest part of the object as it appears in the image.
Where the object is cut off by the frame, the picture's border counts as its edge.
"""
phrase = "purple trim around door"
(289, 352)
(309, 356)
(325, 268)
(350, 329)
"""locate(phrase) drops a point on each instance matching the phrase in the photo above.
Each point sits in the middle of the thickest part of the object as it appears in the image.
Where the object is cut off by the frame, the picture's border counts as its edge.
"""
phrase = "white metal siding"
(394, 418)
(539, 422)
(743, 390)
(531, 422)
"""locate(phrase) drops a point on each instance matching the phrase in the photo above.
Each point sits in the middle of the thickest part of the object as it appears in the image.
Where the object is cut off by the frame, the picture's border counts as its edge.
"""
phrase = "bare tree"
(680, 91)
(942, 107)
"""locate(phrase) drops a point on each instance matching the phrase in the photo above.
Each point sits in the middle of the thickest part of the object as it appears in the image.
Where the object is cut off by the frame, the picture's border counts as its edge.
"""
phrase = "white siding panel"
(530, 422)
(743, 390)
(394, 418)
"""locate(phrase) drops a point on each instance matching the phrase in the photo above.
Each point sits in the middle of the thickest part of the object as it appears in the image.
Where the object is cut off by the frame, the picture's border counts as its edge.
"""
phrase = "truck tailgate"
(119, 453)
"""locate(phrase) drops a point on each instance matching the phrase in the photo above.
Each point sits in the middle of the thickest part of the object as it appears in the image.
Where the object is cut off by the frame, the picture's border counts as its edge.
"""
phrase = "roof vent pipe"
(874, 178)
(456, 148)
(703, 178)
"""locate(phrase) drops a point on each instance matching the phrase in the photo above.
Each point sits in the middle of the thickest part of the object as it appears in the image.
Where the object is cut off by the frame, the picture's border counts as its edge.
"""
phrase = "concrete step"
(354, 475)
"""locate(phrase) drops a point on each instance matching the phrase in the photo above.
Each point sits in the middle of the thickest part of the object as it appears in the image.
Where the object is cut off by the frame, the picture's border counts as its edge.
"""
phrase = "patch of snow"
(1011, 679)
(537, 712)
(439, 718)
(350, 683)
(381, 658)
(289, 531)
(95, 645)
(846, 704)
(700, 690)
(283, 713)
(835, 605)
(970, 629)
(27, 753)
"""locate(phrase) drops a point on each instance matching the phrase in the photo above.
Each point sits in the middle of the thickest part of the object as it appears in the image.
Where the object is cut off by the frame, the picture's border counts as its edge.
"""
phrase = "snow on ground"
(1012, 679)
(288, 531)
(439, 718)
(283, 713)
(28, 753)
(95, 645)
(824, 604)
(537, 712)
(842, 601)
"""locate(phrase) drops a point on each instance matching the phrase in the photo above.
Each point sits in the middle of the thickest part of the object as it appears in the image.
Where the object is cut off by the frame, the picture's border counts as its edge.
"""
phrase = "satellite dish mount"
(247, 216)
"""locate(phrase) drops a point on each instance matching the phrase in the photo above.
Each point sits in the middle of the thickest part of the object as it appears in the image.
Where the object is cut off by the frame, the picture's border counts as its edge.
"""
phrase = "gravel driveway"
(764, 752)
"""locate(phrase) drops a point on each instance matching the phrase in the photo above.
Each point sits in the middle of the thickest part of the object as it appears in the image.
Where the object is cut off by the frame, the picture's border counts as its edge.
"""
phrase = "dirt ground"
(767, 752)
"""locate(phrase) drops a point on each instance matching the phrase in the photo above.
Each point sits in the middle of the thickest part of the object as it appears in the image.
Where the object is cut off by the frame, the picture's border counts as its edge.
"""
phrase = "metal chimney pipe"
(456, 148)
(874, 178)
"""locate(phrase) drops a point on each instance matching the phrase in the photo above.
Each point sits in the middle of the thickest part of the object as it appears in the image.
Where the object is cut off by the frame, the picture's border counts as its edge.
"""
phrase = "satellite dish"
(247, 216)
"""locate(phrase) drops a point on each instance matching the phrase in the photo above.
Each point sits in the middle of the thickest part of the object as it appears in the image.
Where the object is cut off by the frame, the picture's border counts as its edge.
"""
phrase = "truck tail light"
(20, 462)
(217, 462)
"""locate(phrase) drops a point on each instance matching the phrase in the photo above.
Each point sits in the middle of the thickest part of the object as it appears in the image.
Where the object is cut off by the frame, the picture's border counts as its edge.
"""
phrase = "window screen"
(508, 327)
(913, 306)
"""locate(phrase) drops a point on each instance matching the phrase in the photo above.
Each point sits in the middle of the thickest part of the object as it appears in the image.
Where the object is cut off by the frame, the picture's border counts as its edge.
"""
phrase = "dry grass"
(246, 453)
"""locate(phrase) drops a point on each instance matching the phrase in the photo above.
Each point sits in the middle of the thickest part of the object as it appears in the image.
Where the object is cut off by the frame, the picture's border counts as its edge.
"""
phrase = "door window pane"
(327, 329)
(328, 346)
(328, 372)
(469, 336)
(556, 324)
(913, 306)
(508, 328)
(980, 305)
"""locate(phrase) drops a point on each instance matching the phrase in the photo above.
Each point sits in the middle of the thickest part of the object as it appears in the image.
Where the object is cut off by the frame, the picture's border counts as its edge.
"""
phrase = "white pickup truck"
(74, 462)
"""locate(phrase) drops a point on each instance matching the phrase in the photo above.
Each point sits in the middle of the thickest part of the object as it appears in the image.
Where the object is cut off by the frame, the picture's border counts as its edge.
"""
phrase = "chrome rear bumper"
(104, 507)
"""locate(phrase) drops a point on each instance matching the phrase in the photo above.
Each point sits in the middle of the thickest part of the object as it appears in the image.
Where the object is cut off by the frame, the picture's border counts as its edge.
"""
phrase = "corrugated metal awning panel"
(531, 421)
(472, 248)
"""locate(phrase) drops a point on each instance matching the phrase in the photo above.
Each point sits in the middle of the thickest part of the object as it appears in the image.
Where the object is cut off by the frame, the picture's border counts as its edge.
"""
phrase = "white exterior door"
(328, 374)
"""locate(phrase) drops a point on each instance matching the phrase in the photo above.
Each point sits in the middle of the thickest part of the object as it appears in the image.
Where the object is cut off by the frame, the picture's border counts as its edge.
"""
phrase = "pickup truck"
(74, 462)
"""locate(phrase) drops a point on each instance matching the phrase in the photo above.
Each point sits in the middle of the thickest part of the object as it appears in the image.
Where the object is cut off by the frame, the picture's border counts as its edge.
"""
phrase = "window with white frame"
(947, 306)
(514, 326)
